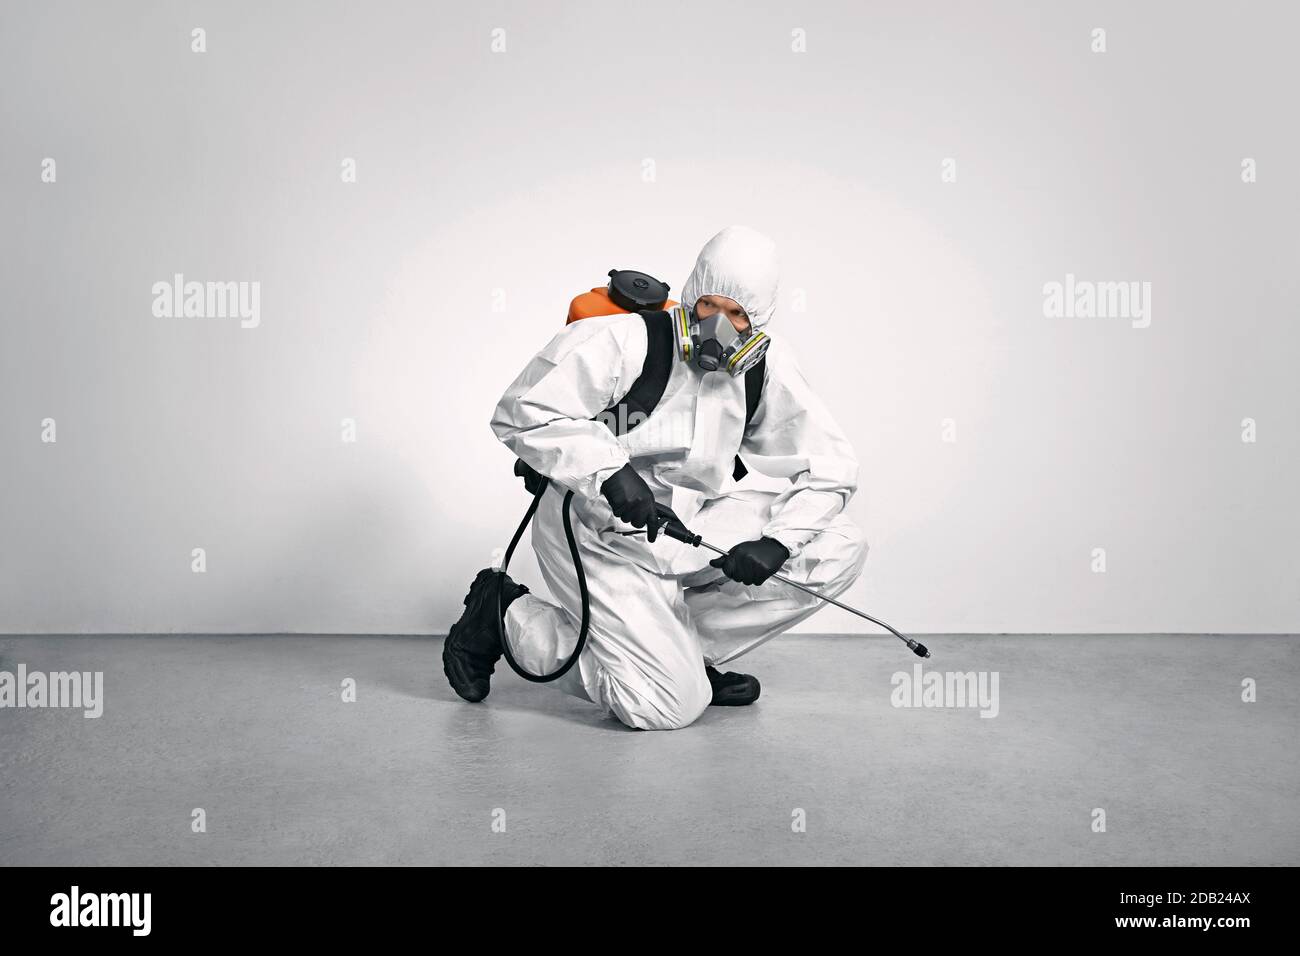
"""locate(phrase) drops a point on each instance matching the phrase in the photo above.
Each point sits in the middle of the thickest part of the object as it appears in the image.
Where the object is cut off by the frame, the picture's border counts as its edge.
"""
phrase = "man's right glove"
(666, 518)
(631, 500)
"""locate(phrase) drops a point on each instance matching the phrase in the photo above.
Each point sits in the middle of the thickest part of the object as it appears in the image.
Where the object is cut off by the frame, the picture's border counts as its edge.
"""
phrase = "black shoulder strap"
(753, 392)
(754, 389)
(649, 386)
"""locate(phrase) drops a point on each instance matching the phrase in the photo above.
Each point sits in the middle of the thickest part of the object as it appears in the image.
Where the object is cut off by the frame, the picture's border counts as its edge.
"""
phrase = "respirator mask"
(713, 343)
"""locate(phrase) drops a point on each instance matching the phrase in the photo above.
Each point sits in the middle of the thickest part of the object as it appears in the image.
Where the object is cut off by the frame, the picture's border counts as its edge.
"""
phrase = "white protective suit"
(659, 612)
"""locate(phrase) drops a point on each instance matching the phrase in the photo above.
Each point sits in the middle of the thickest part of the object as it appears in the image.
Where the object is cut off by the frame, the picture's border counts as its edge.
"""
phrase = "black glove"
(665, 517)
(631, 500)
(753, 562)
(532, 478)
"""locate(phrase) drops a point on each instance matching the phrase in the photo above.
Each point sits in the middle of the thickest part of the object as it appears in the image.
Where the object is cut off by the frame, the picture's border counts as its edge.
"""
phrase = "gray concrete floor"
(253, 730)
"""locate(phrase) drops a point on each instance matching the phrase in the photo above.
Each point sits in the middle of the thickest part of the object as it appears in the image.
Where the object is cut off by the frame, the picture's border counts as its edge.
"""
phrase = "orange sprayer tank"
(628, 291)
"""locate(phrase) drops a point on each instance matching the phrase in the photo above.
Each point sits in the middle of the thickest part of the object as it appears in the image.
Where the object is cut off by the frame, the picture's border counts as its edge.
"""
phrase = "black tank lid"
(636, 291)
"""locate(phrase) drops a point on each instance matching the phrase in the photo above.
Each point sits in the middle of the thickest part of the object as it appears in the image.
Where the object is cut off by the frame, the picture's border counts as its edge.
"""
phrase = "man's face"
(708, 305)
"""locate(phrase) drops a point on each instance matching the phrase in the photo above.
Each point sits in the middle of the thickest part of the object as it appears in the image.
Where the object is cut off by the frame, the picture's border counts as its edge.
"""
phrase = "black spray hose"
(582, 590)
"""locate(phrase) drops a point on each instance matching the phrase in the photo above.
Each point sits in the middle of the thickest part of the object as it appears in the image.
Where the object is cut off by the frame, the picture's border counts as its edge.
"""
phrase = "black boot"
(473, 645)
(731, 689)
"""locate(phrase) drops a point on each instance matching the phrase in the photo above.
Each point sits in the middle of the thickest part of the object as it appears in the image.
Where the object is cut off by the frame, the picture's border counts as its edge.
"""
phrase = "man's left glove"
(753, 562)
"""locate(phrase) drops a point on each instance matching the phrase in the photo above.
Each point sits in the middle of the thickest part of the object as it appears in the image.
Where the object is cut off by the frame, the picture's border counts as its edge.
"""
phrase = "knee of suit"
(668, 703)
(840, 552)
(858, 547)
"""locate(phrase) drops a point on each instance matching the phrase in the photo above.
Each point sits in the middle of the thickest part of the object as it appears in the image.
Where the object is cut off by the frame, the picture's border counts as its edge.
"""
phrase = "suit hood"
(739, 263)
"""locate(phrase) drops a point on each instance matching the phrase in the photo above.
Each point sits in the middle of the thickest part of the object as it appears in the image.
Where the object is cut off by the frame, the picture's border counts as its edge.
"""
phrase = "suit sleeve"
(793, 435)
(545, 416)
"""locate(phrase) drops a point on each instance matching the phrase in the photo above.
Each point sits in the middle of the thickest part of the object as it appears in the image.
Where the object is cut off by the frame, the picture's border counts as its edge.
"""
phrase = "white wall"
(522, 171)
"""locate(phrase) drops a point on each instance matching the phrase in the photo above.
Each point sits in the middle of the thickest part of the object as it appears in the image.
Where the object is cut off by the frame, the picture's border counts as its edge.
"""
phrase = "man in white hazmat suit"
(661, 613)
